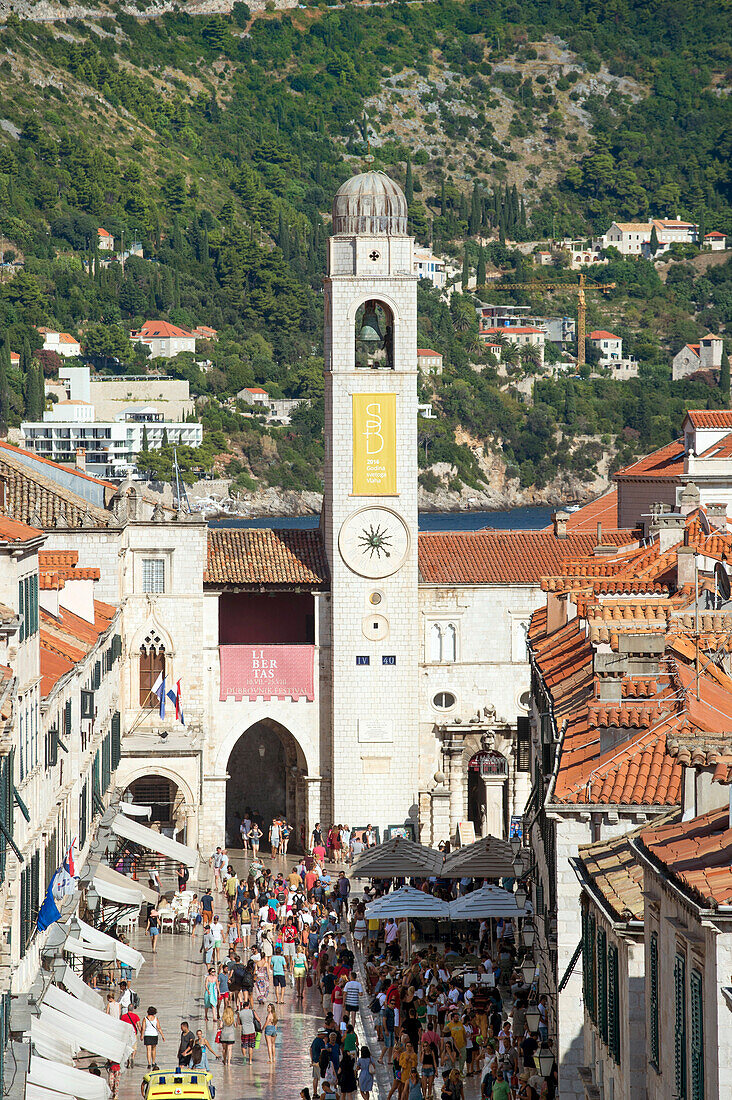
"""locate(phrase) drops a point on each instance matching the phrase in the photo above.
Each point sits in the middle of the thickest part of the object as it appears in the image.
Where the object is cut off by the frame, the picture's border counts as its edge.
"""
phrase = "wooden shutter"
(602, 998)
(696, 990)
(523, 745)
(151, 666)
(653, 1000)
(680, 1027)
(613, 1004)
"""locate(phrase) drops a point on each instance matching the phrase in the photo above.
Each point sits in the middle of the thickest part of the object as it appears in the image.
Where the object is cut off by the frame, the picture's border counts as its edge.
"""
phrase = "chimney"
(717, 516)
(556, 612)
(3, 486)
(80, 463)
(670, 527)
(599, 533)
(690, 499)
(560, 524)
(685, 571)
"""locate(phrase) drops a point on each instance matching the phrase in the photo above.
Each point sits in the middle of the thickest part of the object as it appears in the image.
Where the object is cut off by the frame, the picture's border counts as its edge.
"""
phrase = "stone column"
(312, 785)
(212, 814)
(456, 780)
(439, 815)
(494, 817)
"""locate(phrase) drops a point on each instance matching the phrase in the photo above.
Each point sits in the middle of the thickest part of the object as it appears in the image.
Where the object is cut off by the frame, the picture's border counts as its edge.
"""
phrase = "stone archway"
(266, 769)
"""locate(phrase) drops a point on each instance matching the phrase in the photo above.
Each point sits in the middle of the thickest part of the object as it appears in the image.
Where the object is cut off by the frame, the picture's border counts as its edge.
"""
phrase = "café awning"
(35, 1092)
(79, 989)
(135, 811)
(488, 857)
(117, 895)
(52, 1042)
(398, 858)
(90, 1017)
(488, 901)
(89, 951)
(139, 834)
(407, 902)
(123, 953)
(57, 1077)
(93, 1039)
(115, 878)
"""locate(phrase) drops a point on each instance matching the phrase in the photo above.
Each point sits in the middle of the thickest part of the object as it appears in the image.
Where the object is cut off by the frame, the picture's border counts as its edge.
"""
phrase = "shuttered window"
(116, 740)
(653, 1000)
(6, 806)
(680, 1027)
(696, 991)
(153, 575)
(523, 745)
(613, 1004)
(151, 666)
(588, 964)
(602, 1000)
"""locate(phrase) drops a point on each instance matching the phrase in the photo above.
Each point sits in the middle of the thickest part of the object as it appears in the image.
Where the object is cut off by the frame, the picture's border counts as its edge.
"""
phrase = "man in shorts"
(289, 936)
(207, 907)
(317, 1046)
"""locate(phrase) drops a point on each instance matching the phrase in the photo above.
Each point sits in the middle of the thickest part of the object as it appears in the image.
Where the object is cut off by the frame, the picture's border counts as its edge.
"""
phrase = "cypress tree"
(409, 185)
(4, 387)
(724, 377)
(165, 438)
(480, 275)
(466, 267)
(145, 443)
(654, 241)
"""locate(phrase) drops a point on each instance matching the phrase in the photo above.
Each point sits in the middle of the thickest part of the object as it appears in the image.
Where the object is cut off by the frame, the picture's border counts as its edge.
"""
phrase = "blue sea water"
(523, 519)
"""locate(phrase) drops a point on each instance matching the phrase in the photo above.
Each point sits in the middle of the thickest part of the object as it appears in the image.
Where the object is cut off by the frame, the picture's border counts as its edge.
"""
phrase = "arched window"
(435, 642)
(449, 643)
(152, 665)
(374, 336)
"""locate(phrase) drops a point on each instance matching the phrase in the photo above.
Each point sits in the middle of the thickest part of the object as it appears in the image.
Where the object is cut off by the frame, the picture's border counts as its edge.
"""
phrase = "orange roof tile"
(710, 418)
(617, 874)
(158, 330)
(263, 556)
(501, 557)
(13, 530)
(600, 334)
(640, 774)
(667, 462)
(721, 449)
(697, 853)
(603, 510)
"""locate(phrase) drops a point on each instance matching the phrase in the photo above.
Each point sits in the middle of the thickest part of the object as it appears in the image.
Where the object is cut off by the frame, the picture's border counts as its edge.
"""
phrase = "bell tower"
(370, 506)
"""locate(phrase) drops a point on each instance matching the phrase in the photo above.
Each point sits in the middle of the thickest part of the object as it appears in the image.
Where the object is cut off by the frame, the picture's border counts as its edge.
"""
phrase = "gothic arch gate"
(266, 775)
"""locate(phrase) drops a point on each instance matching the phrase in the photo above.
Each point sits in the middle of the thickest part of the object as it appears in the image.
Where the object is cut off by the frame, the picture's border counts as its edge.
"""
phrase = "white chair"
(128, 922)
(167, 919)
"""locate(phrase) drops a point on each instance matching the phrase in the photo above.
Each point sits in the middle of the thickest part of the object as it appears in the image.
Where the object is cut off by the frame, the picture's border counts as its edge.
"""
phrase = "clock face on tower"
(374, 542)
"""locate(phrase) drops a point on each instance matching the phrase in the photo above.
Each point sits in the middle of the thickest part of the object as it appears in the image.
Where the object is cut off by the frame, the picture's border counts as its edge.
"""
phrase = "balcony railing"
(266, 672)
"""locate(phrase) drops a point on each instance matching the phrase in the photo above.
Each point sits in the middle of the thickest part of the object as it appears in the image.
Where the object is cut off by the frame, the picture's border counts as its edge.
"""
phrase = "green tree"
(654, 241)
(480, 274)
(724, 377)
(409, 185)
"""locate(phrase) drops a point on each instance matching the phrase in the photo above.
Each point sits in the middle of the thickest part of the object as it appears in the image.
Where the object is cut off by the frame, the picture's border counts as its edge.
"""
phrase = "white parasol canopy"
(407, 902)
(59, 1078)
(488, 857)
(488, 901)
(398, 858)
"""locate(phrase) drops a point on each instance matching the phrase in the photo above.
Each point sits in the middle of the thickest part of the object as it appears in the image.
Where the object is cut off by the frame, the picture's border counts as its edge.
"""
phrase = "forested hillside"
(218, 143)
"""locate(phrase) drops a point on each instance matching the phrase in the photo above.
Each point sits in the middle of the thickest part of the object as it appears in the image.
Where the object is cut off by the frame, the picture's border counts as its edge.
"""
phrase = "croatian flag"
(159, 690)
(63, 882)
(176, 699)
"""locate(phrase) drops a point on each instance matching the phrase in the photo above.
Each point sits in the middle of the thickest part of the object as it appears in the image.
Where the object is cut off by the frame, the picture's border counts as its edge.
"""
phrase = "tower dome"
(370, 204)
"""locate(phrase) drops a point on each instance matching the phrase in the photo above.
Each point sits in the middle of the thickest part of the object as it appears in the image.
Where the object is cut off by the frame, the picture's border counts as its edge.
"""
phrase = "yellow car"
(185, 1084)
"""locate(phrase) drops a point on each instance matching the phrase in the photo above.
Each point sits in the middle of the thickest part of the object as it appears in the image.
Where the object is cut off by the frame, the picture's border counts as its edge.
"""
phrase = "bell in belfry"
(373, 342)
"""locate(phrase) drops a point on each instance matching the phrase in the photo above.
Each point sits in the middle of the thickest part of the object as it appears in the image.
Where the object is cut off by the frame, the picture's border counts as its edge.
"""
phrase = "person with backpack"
(343, 889)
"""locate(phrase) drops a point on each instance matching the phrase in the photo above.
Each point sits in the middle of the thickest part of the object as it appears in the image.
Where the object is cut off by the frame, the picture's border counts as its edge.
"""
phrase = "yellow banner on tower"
(374, 444)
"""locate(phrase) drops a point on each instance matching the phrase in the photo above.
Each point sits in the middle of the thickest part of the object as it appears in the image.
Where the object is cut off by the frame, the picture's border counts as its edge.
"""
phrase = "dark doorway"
(163, 797)
(265, 776)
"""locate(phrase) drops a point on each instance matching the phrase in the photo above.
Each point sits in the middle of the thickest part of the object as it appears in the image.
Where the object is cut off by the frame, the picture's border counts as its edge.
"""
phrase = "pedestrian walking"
(248, 1021)
(151, 1033)
(227, 1034)
(153, 929)
(365, 1070)
(185, 1045)
(255, 835)
(270, 1031)
(279, 966)
(347, 1077)
(217, 931)
(203, 1047)
(207, 946)
(210, 994)
(183, 875)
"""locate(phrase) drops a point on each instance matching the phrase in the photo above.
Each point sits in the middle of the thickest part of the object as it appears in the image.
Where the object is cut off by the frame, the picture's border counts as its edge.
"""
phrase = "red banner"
(266, 672)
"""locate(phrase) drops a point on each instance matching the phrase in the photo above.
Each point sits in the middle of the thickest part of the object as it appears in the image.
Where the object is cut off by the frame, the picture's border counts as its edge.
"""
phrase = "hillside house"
(428, 266)
(105, 241)
(205, 332)
(429, 361)
(627, 237)
(163, 339)
(254, 395)
(715, 241)
(521, 335)
(63, 343)
(706, 355)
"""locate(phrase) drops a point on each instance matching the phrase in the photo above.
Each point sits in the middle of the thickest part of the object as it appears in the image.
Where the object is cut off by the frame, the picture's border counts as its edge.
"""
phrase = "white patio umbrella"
(488, 857)
(488, 901)
(398, 858)
(408, 902)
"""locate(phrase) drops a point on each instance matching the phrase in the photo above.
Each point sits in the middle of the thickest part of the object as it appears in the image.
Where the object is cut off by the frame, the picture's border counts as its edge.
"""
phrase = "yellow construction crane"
(581, 303)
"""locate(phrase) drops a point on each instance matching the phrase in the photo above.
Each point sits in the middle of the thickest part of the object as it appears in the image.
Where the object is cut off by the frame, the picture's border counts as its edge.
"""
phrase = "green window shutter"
(21, 610)
(653, 999)
(602, 998)
(585, 955)
(680, 1027)
(696, 990)
(116, 740)
(613, 1002)
(592, 970)
(67, 719)
(34, 601)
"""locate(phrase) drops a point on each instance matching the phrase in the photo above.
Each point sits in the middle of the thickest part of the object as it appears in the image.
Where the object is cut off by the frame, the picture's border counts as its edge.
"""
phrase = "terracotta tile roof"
(501, 557)
(515, 330)
(428, 351)
(710, 418)
(714, 233)
(721, 449)
(260, 556)
(616, 874)
(34, 498)
(603, 510)
(667, 462)
(639, 774)
(159, 330)
(14, 530)
(697, 854)
(38, 460)
(55, 567)
(67, 638)
(53, 559)
(600, 334)
(53, 666)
